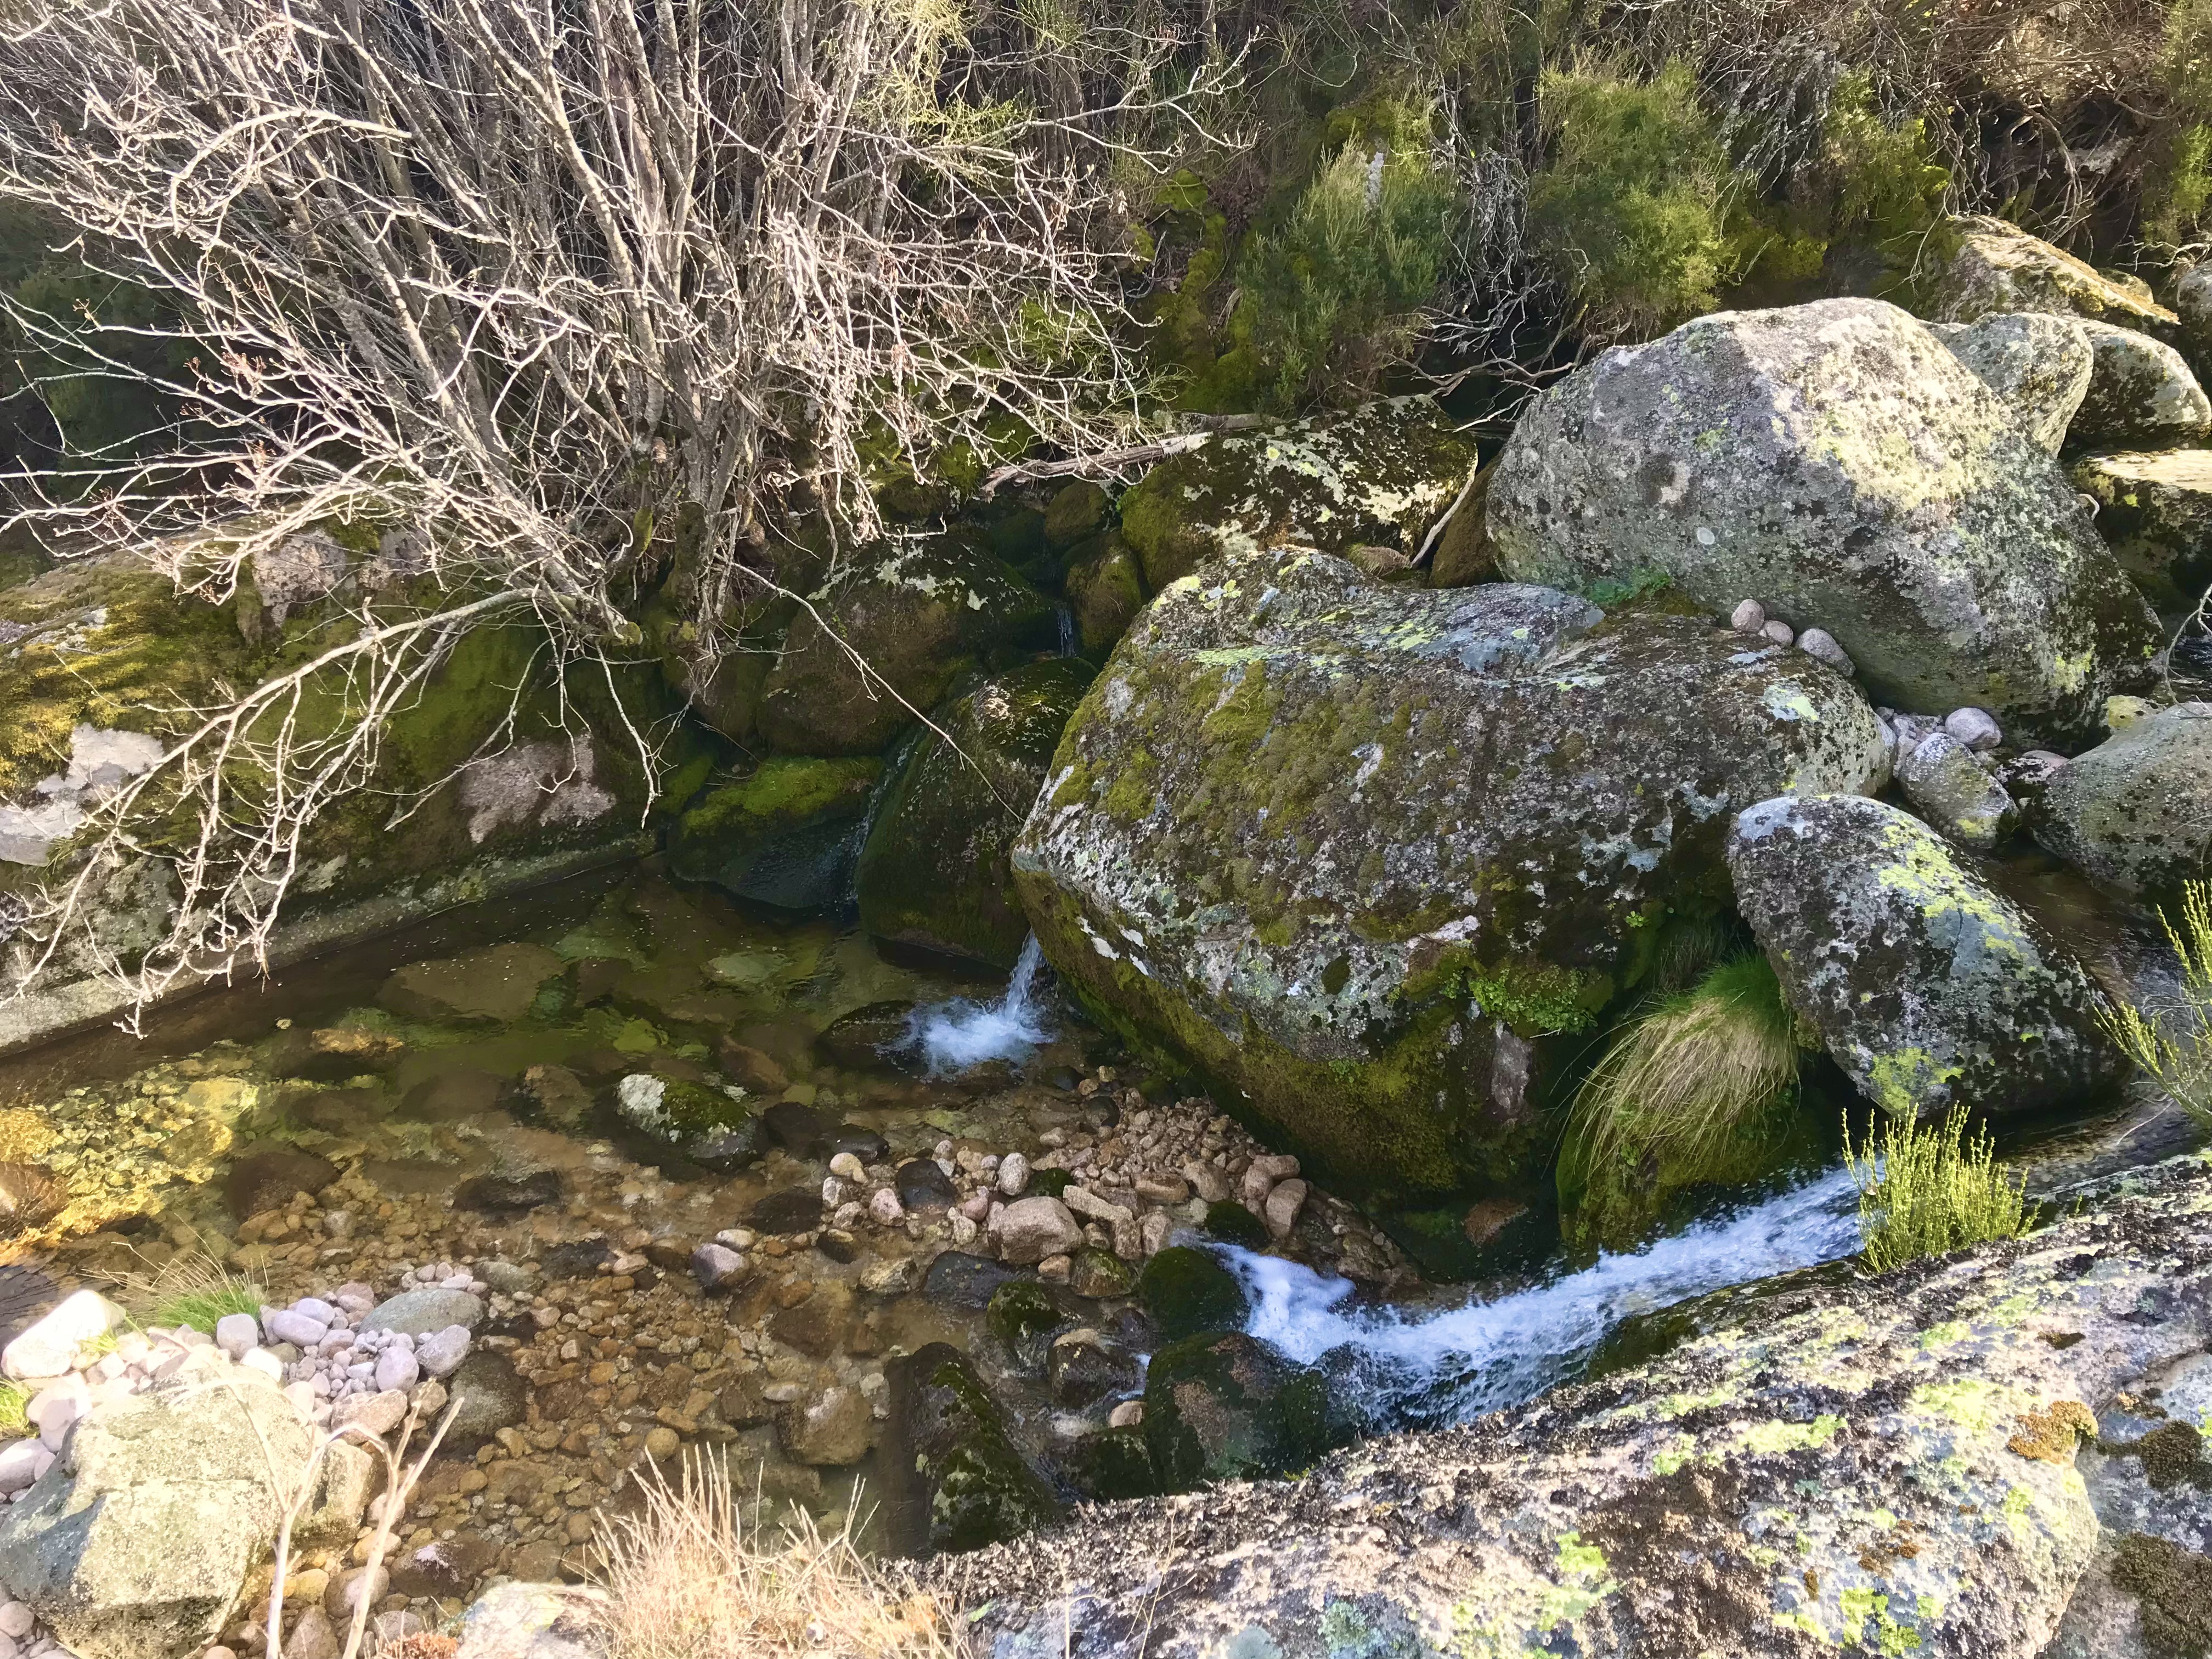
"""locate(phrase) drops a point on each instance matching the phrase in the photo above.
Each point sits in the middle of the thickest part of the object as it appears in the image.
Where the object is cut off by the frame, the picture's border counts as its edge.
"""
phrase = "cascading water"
(1450, 1367)
(952, 1037)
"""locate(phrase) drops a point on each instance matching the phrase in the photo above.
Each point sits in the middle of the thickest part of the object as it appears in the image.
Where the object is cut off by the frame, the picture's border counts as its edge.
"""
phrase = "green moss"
(1018, 1314)
(1189, 1292)
(1232, 1223)
(2173, 1588)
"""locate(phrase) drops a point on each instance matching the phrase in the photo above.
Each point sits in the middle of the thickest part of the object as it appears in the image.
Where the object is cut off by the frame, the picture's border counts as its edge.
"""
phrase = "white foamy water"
(1455, 1364)
(952, 1036)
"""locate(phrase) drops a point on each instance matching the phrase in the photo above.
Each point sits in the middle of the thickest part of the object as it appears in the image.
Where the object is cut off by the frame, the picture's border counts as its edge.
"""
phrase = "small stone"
(718, 1268)
(848, 1168)
(1780, 632)
(1013, 1175)
(50, 1346)
(440, 1353)
(1974, 727)
(963, 1229)
(1163, 1189)
(1283, 1206)
(1819, 644)
(262, 1360)
(237, 1333)
(662, 1442)
(1032, 1229)
(290, 1326)
(1748, 618)
(1127, 1415)
(831, 1428)
(395, 1367)
(1056, 1269)
(377, 1414)
(20, 1464)
(894, 1277)
(885, 1207)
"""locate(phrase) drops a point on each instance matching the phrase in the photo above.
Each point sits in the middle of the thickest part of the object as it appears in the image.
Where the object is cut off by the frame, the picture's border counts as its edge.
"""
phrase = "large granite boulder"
(1929, 987)
(1358, 852)
(1379, 476)
(2154, 509)
(1835, 463)
(2038, 363)
(2135, 813)
(2140, 392)
(919, 612)
(1854, 1464)
(137, 1542)
(933, 873)
(786, 836)
(1990, 264)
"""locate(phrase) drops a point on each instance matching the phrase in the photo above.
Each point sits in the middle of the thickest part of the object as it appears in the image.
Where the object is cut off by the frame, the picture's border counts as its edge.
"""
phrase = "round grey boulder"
(1928, 986)
(2135, 813)
(421, 1312)
(2037, 363)
(1835, 462)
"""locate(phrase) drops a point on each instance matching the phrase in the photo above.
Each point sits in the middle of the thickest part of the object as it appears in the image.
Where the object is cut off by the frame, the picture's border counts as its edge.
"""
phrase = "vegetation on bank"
(2171, 1043)
(1927, 1190)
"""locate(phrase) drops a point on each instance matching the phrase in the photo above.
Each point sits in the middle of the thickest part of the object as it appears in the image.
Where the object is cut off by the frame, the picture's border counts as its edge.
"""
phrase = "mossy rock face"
(2155, 512)
(1369, 857)
(1929, 987)
(700, 1124)
(1113, 1463)
(1991, 264)
(1835, 463)
(2135, 813)
(1232, 1223)
(1077, 511)
(933, 873)
(786, 836)
(957, 1481)
(921, 610)
(1232, 1407)
(1105, 589)
(1188, 1292)
(1378, 476)
(2141, 391)
(1023, 1316)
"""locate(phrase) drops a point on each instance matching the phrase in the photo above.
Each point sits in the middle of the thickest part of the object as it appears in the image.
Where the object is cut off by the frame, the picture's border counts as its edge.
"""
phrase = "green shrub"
(1695, 1090)
(1334, 295)
(1887, 185)
(13, 1398)
(1926, 1191)
(2172, 1044)
(2176, 185)
(1627, 210)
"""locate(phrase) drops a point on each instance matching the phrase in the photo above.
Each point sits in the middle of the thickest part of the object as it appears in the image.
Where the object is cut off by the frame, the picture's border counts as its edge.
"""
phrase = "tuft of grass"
(13, 1398)
(688, 1579)
(2172, 1043)
(192, 1288)
(1690, 1077)
(1926, 1190)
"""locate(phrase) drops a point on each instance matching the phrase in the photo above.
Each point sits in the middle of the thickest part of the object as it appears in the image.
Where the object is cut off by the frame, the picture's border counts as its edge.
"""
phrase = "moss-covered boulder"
(1232, 1407)
(1023, 1316)
(1105, 589)
(933, 874)
(1380, 475)
(2155, 510)
(1077, 512)
(1368, 856)
(957, 1482)
(2135, 813)
(1187, 1292)
(1929, 987)
(716, 1129)
(1835, 463)
(786, 836)
(2140, 392)
(1985, 265)
(2036, 362)
(919, 612)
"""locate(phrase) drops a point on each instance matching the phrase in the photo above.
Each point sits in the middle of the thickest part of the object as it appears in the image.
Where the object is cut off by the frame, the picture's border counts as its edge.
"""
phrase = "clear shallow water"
(956, 1035)
(1450, 1366)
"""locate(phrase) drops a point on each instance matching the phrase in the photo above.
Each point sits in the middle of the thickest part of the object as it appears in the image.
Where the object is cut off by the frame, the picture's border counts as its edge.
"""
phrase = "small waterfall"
(1070, 638)
(952, 1037)
(1448, 1367)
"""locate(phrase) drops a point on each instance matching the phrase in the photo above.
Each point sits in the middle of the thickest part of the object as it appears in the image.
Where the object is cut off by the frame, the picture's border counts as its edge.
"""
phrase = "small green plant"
(13, 1398)
(1696, 1089)
(2172, 1044)
(190, 1289)
(1925, 1190)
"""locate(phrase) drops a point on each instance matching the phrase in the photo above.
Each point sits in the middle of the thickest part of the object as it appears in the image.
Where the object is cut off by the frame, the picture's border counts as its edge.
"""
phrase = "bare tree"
(556, 294)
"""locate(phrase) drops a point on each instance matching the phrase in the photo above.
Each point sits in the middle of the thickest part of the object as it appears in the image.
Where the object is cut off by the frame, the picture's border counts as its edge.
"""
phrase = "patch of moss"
(2173, 1455)
(1232, 1223)
(2173, 1590)
(1018, 1314)
(1190, 1292)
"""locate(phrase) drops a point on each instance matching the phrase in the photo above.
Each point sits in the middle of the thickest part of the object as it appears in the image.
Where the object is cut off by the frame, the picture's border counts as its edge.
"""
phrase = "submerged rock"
(2155, 512)
(2037, 363)
(1378, 476)
(933, 873)
(919, 612)
(1189, 1292)
(1929, 987)
(1881, 1464)
(693, 1121)
(2135, 813)
(1833, 461)
(1358, 851)
(957, 1478)
(495, 984)
(786, 836)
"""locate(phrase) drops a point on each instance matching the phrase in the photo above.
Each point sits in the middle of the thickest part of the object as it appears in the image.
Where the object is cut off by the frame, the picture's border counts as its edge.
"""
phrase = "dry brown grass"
(686, 1578)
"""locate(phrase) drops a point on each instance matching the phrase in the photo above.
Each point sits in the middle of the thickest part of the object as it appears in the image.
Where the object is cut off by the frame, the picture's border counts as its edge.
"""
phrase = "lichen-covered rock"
(1379, 475)
(919, 612)
(2155, 510)
(1870, 1465)
(1995, 265)
(1930, 989)
(2038, 363)
(1232, 1407)
(933, 873)
(2135, 813)
(1359, 851)
(1833, 462)
(1950, 788)
(958, 1484)
(2141, 391)
(1106, 590)
(694, 1121)
(786, 836)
